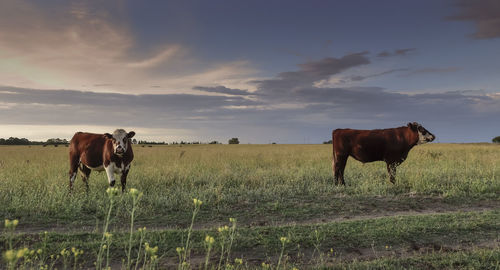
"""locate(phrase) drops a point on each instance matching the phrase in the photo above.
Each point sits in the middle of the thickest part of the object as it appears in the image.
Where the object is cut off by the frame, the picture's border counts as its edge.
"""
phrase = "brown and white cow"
(101, 152)
(390, 145)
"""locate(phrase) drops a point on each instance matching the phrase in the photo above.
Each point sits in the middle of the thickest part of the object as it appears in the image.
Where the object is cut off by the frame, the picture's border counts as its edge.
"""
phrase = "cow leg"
(74, 160)
(339, 165)
(391, 169)
(123, 179)
(110, 171)
(85, 173)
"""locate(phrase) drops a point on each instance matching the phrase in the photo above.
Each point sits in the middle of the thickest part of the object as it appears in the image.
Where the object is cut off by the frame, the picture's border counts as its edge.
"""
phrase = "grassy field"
(443, 212)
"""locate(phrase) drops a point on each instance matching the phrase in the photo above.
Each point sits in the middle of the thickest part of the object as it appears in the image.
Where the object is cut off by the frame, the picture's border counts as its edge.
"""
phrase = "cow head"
(424, 136)
(121, 140)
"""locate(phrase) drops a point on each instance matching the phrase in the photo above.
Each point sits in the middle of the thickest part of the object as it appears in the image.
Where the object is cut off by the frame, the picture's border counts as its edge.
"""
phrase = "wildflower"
(197, 203)
(112, 192)
(295, 268)
(108, 235)
(386, 247)
(104, 246)
(223, 229)
(9, 255)
(21, 252)
(39, 251)
(151, 251)
(179, 250)
(238, 261)
(11, 224)
(284, 240)
(135, 193)
(232, 220)
(209, 240)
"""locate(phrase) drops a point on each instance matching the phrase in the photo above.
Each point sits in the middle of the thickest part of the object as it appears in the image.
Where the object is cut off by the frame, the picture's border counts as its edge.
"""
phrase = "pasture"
(443, 212)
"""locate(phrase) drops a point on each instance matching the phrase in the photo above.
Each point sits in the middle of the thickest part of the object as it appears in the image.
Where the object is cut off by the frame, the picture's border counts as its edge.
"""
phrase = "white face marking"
(424, 138)
(120, 142)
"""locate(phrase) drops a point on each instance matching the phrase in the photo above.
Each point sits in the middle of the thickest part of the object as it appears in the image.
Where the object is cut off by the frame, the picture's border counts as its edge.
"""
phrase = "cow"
(101, 152)
(390, 145)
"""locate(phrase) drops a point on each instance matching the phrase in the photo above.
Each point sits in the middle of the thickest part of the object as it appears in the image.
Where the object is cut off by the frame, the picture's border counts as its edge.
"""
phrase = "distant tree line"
(58, 141)
(24, 141)
(496, 139)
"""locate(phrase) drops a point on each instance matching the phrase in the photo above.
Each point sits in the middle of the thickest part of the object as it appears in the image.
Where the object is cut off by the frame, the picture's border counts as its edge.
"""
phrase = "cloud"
(431, 71)
(397, 52)
(485, 14)
(77, 45)
(286, 108)
(222, 90)
(358, 78)
(157, 59)
(309, 73)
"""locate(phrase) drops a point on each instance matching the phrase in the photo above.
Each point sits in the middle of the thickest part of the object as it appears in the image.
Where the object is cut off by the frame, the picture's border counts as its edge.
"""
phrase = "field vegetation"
(443, 212)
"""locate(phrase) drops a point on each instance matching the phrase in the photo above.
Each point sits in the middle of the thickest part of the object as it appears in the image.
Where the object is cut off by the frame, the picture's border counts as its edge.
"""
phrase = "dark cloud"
(432, 71)
(485, 14)
(309, 73)
(289, 106)
(223, 90)
(361, 78)
(397, 52)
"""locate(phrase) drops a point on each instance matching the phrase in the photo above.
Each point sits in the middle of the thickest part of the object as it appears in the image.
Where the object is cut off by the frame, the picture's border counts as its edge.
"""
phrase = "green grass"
(476, 259)
(407, 233)
(258, 178)
(265, 187)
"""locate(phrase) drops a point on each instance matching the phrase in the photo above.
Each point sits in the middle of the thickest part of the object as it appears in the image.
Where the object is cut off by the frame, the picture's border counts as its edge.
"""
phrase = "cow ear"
(107, 135)
(130, 134)
(412, 126)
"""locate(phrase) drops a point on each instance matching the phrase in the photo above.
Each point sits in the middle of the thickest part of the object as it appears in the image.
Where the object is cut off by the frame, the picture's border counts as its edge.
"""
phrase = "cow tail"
(333, 146)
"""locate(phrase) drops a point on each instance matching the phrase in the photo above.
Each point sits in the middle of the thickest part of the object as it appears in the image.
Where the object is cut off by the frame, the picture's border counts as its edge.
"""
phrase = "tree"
(234, 141)
(496, 139)
(328, 142)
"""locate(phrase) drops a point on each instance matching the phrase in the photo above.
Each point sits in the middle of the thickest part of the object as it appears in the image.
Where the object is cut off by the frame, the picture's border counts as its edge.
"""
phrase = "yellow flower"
(135, 193)
(223, 229)
(21, 252)
(9, 255)
(104, 246)
(108, 235)
(112, 192)
(197, 202)
(39, 251)
(209, 240)
(284, 240)
(238, 261)
(232, 220)
(15, 222)
(7, 223)
(179, 250)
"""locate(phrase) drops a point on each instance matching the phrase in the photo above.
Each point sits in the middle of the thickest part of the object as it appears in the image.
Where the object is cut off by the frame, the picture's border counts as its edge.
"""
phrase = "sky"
(262, 71)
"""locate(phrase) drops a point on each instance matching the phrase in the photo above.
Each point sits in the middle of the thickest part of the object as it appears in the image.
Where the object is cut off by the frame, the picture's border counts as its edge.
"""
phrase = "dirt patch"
(266, 222)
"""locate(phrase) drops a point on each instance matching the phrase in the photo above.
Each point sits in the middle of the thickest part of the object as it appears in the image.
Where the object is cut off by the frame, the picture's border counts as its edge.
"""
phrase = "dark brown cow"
(112, 153)
(390, 145)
